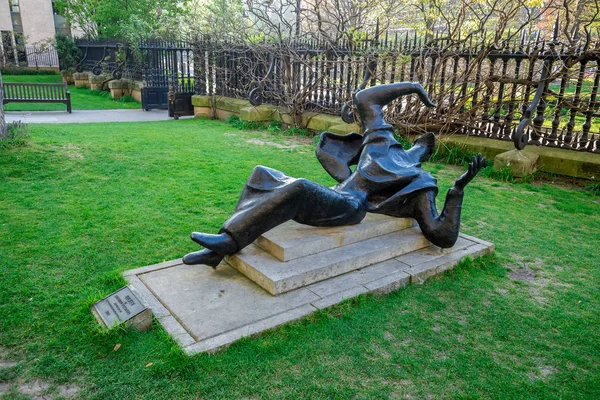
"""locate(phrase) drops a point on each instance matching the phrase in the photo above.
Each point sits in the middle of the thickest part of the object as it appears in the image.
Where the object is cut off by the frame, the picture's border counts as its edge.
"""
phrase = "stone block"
(141, 321)
(203, 112)
(293, 240)
(119, 88)
(280, 277)
(201, 101)
(97, 78)
(321, 122)
(260, 113)
(223, 115)
(137, 95)
(367, 277)
(231, 104)
(344, 129)
(138, 85)
(120, 84)
(520, 162)
(95, 81)
(281, 115)
(81, 79)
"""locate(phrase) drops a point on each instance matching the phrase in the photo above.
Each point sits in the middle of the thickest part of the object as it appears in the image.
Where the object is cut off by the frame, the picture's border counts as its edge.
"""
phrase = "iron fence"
(526, 89)
(34, 56)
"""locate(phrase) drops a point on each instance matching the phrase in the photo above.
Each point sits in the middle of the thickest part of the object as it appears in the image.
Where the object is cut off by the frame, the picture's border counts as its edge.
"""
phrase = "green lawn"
(81, 98)
(83, 203)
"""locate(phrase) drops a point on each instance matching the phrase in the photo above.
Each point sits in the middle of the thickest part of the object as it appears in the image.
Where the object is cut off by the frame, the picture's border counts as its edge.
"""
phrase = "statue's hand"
(474, 167)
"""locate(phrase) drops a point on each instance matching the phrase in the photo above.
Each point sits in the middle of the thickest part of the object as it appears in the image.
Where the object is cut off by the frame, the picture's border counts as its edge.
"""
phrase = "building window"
(14, 6)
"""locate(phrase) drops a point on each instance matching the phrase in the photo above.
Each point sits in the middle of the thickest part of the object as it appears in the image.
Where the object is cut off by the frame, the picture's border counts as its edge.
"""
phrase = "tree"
(2, 120)
(131, 19)
(223, 18)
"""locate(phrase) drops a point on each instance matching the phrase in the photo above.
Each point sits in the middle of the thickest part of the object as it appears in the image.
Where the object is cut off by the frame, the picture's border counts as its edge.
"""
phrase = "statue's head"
(370, 102)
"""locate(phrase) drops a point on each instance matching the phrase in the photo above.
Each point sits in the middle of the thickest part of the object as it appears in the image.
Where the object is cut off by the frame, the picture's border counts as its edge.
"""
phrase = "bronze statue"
(387, 180)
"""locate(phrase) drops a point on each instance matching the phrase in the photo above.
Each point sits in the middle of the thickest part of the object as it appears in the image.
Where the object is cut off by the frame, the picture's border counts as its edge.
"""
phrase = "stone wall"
(222, 107)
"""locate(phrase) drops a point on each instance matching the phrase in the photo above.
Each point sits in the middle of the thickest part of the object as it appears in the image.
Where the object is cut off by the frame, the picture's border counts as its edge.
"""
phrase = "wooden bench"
(37, 93)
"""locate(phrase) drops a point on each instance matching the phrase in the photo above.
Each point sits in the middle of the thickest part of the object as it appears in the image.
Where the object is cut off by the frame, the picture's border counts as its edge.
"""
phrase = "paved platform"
(204, 309)
(86, 116)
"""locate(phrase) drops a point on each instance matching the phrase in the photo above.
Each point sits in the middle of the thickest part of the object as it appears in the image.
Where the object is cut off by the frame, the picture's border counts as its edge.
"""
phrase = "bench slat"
(37, 92)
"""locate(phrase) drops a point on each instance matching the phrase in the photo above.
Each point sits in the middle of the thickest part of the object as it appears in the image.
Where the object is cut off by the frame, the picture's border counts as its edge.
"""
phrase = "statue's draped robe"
(385, 178)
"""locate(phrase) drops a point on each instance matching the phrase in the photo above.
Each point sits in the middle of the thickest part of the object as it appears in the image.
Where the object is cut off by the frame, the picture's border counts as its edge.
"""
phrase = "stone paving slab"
(205, 309)
(293, 240)
(278, 277)
(86, 116)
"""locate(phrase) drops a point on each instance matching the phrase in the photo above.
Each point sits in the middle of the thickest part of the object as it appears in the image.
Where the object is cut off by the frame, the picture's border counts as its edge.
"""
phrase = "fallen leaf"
(148, 365)
(117, 346)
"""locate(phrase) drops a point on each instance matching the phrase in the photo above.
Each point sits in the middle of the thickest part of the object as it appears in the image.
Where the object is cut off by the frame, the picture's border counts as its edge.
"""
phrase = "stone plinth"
(204, 309)
(293, 240)
(96, 81)
(520, 162)
(81, 79)
(136, 91)
(278, 277)
(119, 88)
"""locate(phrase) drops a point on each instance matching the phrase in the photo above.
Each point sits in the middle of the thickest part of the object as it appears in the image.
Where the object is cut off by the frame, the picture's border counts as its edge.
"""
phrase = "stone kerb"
(222, 107)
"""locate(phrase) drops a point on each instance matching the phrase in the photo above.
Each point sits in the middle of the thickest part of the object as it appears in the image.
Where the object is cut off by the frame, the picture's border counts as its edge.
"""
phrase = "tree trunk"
(2, 120)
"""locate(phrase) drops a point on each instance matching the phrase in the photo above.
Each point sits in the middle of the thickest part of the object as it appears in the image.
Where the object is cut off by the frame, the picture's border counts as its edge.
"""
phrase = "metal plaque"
(119, 307)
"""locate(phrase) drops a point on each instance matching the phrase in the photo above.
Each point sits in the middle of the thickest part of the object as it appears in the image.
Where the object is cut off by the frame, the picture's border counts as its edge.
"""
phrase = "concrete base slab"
(205, 309)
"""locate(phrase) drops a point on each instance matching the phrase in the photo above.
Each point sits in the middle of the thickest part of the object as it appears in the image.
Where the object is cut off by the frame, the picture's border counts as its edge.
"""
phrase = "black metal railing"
(525, 89)
(34, 56)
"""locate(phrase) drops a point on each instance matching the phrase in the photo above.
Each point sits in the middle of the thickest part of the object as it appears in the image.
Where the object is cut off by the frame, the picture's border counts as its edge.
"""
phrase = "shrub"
(17, 134)
(239, 123)
(23, 71)
(68, 52)
(275, 127)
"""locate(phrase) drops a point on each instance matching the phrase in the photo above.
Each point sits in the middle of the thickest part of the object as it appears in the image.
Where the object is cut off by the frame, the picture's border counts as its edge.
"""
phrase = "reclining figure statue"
(387, 180)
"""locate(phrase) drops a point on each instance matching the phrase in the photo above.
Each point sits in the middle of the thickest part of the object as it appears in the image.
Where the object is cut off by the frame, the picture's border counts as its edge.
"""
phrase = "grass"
(83, 203)
(81, 98)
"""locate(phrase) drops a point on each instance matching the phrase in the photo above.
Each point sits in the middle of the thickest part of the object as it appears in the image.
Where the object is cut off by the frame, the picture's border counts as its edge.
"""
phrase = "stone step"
(293, 240)
(205, 309)
(278, 277)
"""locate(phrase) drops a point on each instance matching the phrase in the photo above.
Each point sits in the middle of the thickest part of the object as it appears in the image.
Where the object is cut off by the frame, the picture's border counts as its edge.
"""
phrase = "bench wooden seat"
(37, 93)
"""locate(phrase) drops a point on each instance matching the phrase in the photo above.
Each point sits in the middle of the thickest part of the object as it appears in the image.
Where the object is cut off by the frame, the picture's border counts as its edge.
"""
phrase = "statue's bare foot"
(206, 257)
(222, 243)
(474, 167)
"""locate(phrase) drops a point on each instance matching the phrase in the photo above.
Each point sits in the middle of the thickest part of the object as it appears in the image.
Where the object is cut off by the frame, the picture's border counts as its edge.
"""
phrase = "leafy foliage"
(132, 19)
(68, 52)
(18, 71)
(16, 135)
